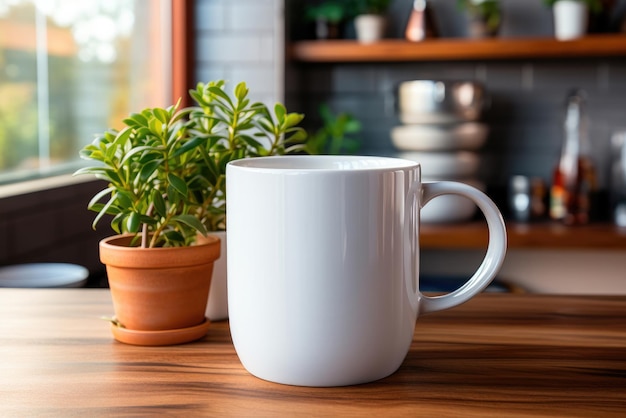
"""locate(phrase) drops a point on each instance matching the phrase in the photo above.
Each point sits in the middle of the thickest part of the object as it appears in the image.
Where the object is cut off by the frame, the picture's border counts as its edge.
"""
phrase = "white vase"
(369, 28)
(217, 306)
(570, 19)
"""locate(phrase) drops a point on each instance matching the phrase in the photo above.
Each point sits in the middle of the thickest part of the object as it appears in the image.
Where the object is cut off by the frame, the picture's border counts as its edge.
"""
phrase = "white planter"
(369, 28)
(570, 19)
(217, 306)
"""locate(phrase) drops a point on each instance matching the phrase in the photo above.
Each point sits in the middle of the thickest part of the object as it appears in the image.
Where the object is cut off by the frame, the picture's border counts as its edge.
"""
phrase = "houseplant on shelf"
(483, 17)
(370, 20)
(165, 174)
(335, 136)
(571, 16)
(327, 17)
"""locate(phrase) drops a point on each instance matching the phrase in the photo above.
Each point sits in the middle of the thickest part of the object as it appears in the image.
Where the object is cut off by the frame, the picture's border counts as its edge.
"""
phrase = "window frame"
(183, 47)
(181, 78)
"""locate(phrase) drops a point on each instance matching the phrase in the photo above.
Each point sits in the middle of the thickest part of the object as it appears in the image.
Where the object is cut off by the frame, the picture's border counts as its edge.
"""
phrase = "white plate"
(445, 165)
(461, 136)
(43, 275)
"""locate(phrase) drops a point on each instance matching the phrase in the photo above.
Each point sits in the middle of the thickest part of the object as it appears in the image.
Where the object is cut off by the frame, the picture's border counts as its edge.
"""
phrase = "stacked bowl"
(441, 130)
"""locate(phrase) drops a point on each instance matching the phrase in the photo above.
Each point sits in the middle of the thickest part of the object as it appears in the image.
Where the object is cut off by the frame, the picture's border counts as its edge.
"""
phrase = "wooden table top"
(497, 355)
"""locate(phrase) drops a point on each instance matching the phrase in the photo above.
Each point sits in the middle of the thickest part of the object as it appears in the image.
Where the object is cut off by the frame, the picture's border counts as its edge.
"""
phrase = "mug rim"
(324, 163)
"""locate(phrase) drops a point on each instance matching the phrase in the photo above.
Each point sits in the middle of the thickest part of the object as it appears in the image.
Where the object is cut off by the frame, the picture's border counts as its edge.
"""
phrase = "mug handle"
(496, 250)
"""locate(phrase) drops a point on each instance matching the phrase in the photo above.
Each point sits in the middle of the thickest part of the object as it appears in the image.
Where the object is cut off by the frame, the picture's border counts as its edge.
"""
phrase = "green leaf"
(225, 159)
(137, 119)
(221, 94)
(159, 203)
(161, 115)
(298, 135)
(156, 126)
(137, 150)
(111, 150)
(241, 106)
(251, 142)
(266, 125)
(212, 166)
(241, 91)
(352, 126)
(148, 169)
(112, 176)
(280, 112)
(132, 222)
(197, 97)
(102, 212)
(172, 195)
(177, 183)
(116, 223)
(293, 119)
(189, 145)
(89, 170)
(192, 222)
(124, 198)
(175, 237)
(99, 196)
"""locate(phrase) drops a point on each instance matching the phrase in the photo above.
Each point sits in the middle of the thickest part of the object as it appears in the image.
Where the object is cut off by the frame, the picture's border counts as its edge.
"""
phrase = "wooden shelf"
(446, 49)
(538, 236)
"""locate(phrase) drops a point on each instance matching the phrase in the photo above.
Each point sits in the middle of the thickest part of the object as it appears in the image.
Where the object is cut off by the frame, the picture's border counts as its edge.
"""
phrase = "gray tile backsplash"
(241, 40)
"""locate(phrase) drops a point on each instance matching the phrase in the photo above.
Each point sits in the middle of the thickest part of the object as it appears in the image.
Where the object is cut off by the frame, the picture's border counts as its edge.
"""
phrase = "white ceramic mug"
(323, 263)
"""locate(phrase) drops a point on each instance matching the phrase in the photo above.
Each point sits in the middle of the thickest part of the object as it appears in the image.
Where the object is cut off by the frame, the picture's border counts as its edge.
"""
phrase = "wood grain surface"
(497, 355)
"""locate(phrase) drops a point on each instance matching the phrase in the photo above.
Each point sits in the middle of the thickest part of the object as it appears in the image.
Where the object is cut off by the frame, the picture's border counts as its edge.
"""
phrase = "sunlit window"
(70, 69)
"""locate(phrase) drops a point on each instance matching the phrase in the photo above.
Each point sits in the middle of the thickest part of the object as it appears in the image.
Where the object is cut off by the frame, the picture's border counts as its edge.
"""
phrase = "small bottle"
(526, 198)
(421, 24)
(574, 178)
(618, 178)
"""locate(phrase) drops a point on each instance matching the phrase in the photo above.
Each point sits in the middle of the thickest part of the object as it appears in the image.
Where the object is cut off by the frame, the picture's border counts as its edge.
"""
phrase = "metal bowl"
(440, 137)
(431, 101)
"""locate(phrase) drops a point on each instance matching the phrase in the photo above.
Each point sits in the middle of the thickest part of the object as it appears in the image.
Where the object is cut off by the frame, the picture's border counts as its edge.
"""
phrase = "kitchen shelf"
(446, 49)
(547, 235)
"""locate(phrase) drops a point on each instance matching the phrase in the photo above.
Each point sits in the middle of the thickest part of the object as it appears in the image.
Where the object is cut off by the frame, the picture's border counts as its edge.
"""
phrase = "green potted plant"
(165, 172)
(234, 128)
(370, 20)
(571, 17)
(327, 17)
(335, 134)
(483, 16)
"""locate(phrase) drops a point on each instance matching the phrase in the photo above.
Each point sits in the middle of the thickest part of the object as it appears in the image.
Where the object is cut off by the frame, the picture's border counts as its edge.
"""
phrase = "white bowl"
(450, 208)
(445, 165)
(425, 137)
(43, 275)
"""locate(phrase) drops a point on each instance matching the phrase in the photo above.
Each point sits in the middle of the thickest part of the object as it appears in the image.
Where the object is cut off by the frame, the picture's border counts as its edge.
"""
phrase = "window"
(72, 68)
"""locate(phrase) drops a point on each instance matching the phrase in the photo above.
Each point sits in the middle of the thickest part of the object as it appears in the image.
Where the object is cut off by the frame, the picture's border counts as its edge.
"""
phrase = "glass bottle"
(421, 24)
(574, 178)
(618, 178)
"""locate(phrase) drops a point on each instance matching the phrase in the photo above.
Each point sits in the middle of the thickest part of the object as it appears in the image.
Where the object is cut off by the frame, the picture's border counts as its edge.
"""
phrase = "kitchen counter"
(497, 355)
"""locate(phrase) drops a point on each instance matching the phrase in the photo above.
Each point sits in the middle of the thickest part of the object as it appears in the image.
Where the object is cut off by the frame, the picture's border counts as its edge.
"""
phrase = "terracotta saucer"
(156, 338)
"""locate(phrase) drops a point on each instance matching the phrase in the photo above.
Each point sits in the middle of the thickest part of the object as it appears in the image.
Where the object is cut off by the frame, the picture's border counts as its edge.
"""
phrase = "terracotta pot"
(156, 289)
